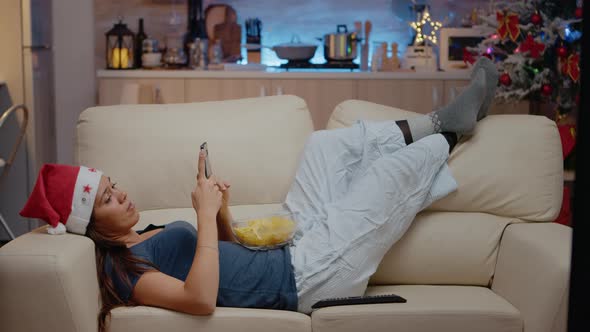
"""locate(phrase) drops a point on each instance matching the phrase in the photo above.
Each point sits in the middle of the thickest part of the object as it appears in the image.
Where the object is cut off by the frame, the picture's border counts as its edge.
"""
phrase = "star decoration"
(530, 45)
(419, 26)
(87, 189)
(93, 170)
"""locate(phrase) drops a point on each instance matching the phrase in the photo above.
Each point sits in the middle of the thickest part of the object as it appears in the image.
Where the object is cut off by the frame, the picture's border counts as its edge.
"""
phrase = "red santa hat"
(63, 195)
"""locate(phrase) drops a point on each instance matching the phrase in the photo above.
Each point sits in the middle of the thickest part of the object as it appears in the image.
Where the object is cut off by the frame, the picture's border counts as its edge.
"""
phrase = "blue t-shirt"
(247, 278)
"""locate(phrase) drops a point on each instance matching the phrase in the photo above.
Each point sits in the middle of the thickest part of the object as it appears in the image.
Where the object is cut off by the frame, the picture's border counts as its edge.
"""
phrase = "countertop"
(274, 73)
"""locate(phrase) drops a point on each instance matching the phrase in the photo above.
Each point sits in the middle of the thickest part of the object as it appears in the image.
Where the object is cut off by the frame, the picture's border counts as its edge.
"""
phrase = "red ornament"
(578, 12)
(536, 19)
(529, 44)
(505, 79)
(508, 24)
(562, 51)
(546, 89)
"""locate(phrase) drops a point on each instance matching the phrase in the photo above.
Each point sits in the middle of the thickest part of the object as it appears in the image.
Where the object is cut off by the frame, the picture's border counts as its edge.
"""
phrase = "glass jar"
(217, 53)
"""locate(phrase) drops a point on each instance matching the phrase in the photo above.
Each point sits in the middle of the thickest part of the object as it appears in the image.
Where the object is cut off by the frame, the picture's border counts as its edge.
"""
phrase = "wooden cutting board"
(214, 14)
(230, 34)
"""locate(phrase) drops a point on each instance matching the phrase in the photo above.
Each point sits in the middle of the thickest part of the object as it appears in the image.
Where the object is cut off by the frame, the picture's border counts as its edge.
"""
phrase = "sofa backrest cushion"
(512, 166)
(151, 151)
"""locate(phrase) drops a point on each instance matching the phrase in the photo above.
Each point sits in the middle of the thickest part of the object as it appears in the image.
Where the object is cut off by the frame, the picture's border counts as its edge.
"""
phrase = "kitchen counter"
(274, 73)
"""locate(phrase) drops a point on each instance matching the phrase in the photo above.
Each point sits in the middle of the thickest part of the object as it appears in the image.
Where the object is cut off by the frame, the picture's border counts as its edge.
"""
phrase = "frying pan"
(293, 51)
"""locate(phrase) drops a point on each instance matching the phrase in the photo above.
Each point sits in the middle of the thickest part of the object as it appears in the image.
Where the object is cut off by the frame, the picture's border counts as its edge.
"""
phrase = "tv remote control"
(365, 299)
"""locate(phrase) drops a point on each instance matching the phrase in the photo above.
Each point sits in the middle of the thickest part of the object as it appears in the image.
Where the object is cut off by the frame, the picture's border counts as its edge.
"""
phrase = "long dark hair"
(123, 263)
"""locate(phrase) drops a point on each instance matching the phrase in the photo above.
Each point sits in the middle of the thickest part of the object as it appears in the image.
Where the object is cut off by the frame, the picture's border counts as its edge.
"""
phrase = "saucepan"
(293, 51)
(340, 46)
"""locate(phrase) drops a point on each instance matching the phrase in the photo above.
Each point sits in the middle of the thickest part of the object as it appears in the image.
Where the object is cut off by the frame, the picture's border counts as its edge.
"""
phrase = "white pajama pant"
(354, 195)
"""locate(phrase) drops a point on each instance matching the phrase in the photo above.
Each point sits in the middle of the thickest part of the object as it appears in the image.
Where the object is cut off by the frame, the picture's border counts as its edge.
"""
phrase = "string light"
(419, 25)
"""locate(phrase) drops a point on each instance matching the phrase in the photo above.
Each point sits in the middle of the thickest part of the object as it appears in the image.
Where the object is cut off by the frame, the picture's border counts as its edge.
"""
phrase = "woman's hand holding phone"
(222, 185)
(207, 197)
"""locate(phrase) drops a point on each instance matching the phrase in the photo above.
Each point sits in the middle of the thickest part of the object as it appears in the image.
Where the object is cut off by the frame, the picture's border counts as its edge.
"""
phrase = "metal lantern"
(120, 47)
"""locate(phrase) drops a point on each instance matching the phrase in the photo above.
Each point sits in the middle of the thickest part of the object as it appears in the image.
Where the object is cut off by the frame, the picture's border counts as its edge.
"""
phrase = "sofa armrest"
(49, 283)
(533, 271)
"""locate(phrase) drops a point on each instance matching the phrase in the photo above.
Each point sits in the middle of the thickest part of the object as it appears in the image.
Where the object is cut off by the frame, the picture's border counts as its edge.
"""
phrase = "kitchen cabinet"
(114, 91)
(420, 96)
(205, 89)
(321, 96)
(418, 92)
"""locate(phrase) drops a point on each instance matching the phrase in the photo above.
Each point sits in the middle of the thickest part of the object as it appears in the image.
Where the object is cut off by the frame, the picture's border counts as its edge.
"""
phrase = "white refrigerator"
(38, 95)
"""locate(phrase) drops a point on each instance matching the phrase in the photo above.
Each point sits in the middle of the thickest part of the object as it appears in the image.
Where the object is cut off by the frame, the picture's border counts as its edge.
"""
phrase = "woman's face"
(113, 213)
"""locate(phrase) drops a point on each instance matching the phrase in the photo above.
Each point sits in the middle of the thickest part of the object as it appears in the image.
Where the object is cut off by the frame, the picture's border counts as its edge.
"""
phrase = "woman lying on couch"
(354, 195)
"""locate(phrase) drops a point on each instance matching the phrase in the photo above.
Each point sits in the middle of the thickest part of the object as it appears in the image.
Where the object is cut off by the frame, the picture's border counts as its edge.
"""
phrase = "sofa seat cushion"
(428, 308)
(148, 319)
(165, 216)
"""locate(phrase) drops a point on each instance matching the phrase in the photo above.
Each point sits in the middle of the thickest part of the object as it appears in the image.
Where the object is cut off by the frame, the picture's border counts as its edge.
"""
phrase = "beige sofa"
(485, 258)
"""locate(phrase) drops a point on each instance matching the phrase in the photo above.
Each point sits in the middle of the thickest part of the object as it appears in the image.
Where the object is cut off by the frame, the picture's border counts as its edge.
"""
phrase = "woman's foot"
(491, 83)
(459, 116)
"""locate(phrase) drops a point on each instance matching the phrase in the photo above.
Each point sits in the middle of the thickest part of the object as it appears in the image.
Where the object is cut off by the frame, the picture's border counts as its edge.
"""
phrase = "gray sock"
(459, 116)
(491, 83)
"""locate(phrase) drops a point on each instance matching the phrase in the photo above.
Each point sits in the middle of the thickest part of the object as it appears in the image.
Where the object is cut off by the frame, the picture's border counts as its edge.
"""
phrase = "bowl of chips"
(265, 232)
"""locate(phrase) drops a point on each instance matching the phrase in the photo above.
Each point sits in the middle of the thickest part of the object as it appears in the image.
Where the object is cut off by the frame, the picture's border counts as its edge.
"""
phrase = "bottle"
(201, 25)
(196, 27)
(139, 38)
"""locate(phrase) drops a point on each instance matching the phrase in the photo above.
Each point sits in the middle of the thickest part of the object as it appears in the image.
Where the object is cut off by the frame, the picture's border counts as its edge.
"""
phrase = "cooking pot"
(340, 46)
(293, 51)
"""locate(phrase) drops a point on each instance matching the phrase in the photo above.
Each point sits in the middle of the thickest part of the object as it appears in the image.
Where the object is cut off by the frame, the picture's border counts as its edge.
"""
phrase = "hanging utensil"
(365, 46)
(368, 28)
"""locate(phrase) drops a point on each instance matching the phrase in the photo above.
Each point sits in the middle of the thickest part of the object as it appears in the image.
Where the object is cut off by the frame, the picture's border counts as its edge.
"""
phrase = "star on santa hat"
(87, 189)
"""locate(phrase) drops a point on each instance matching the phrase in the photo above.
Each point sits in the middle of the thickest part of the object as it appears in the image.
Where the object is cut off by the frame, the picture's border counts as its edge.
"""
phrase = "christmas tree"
(536, 47)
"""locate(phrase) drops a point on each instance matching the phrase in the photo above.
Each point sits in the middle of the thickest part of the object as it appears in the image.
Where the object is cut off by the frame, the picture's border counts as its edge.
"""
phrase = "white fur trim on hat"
(59, 229)
(85, 192)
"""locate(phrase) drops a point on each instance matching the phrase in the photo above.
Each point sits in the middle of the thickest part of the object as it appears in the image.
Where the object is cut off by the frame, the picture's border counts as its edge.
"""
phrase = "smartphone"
(208, 171)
